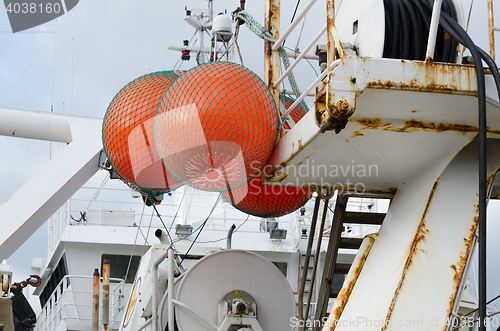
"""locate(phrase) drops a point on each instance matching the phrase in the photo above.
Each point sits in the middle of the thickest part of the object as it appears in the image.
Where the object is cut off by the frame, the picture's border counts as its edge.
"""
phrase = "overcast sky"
(79, 62)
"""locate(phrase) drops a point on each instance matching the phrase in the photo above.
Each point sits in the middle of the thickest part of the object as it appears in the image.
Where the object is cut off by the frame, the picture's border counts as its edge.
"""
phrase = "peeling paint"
(459, 268)
(433, 81)
(414, 125)
(419, 237)
(278, 177)
(357, 133)
(491, 29)
(350, 282)
(271, 58)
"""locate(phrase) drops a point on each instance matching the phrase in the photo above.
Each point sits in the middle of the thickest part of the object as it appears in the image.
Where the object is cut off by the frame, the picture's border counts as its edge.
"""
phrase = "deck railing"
(63, 304)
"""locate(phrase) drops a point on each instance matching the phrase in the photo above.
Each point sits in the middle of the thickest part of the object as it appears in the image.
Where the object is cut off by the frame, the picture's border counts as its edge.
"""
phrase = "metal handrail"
(60, 291)
(301, 56)
(292, 26)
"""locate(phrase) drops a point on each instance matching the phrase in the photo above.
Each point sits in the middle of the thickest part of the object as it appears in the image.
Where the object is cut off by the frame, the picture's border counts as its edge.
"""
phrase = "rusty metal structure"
(491, 29)
(272, 58)
(105, 294)
(95, 300)
(407, 130)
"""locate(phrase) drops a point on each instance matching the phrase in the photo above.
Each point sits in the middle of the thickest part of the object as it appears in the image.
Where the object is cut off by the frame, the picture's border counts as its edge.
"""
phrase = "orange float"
(295, 115)
(267, 200)
(128, 135)
(216, 126)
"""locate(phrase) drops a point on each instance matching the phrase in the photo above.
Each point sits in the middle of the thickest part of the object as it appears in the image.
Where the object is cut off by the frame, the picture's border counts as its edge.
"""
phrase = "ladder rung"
(334, 292)
(350, 243)
(342, 268)
(357, 217)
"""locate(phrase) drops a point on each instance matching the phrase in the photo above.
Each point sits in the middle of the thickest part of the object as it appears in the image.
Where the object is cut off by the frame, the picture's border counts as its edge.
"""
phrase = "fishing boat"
(389, 152)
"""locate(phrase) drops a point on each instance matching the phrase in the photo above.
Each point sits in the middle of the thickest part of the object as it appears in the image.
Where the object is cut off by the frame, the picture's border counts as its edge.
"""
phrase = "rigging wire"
(468, 16)
(308, 61)
(130, 259)
(147, 234)
(180, 57)
(200, 228)
(178, 207)
(53, 70)
(263, 33)
(296, 50)
(293, 16)
(172, 242)
(225, 238)
(295, 11)
(161, 220)
(105, 180)
(313, 68)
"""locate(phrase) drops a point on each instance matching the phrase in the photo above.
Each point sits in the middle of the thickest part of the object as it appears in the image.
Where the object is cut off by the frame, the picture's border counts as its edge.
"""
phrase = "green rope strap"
(263, 33)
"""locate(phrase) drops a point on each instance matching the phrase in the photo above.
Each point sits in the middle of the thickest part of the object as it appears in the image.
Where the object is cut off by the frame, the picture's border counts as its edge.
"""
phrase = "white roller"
(214, 276)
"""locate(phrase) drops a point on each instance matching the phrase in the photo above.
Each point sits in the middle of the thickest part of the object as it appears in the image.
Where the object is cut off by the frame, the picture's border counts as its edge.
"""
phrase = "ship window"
(118, 266)
(60, 271)
(282, 266)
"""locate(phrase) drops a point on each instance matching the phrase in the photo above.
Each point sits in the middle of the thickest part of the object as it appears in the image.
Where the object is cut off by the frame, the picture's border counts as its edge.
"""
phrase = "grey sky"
(99, 46)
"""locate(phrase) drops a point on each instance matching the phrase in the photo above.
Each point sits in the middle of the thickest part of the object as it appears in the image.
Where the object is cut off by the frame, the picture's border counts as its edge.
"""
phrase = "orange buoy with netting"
(216, 126)
(267, 200)
(295, 115)
(128, 134)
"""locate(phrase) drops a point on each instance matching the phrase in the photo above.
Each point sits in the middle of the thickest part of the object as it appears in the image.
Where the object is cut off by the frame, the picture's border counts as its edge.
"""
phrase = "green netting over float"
(128, 138)
(212, 128)
(216, 126)
(295, 115)
(267, 200)
(271, 200)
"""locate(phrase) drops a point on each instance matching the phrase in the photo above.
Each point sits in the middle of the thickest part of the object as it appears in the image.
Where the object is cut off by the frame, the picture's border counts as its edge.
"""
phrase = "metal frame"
(57, 181)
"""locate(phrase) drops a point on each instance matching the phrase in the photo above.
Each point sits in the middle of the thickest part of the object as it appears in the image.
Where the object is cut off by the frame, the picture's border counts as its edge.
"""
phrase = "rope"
(234, 43)
(262, 33)
(236, 33)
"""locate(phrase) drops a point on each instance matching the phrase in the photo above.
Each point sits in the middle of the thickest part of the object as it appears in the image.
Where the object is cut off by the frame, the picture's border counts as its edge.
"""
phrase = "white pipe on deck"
(431, 42)
(170, 303)
(294, 55)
